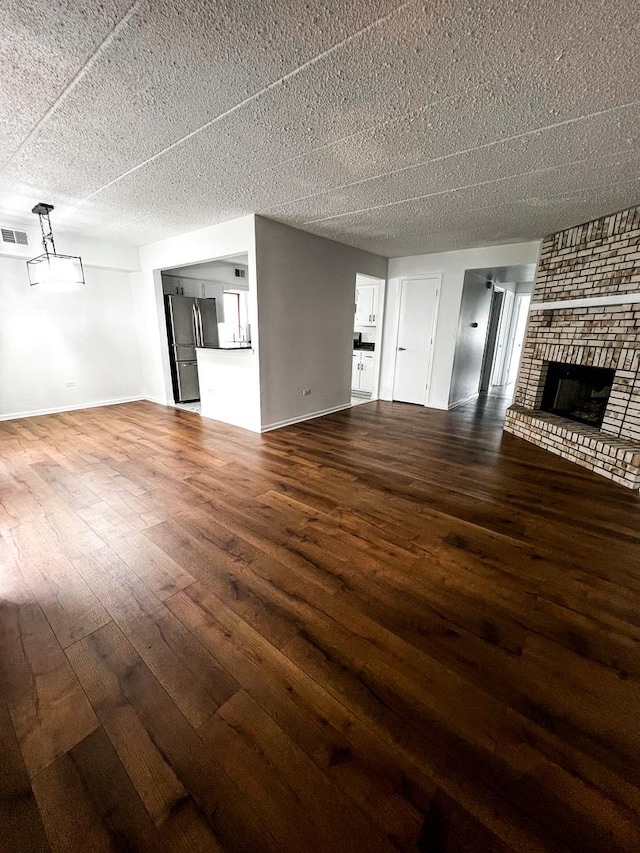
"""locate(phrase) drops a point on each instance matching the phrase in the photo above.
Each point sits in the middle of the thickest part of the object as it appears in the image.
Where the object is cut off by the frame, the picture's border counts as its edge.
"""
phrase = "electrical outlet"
(306, 392)
(71, 384)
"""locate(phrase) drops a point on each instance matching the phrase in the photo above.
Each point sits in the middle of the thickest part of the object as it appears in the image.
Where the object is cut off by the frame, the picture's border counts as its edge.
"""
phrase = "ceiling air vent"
(16, 237)
(240, 273)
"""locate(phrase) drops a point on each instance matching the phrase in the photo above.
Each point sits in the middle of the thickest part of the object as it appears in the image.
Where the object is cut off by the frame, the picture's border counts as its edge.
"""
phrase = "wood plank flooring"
(387, 629)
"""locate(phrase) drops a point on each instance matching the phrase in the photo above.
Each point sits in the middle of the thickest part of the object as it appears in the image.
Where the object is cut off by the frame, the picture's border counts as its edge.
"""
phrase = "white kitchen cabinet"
(366, 305)
(183, 286)
(362, 371)
(366, 372)
(355, 371)
(374, 305)
(191, 287)
(171, 285)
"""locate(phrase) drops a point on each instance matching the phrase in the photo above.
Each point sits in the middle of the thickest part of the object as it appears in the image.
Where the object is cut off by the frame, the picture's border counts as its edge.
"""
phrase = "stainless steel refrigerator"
(191, 323)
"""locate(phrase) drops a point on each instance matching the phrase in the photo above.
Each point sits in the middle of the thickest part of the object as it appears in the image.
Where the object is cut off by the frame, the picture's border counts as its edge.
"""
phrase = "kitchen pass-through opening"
(206, 307)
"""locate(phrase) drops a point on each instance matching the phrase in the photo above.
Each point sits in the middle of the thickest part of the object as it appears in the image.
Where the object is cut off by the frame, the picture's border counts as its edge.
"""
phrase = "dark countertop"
(364, 347)
(230, 345)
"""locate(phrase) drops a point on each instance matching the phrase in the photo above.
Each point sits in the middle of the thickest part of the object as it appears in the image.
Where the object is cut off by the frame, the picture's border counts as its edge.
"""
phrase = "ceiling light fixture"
(51, 270)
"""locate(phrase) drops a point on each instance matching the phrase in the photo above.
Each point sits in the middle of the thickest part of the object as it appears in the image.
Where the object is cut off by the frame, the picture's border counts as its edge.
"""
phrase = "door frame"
(381, 284)
(515, 317)
(491, 340)
(436, 313)
(501, 360)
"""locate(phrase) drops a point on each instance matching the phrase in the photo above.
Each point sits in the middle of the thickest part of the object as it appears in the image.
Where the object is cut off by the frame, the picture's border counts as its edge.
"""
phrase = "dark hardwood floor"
(388, 629)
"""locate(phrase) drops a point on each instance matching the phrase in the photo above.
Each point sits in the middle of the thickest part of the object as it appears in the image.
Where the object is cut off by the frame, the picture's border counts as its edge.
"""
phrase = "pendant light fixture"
(51, 270)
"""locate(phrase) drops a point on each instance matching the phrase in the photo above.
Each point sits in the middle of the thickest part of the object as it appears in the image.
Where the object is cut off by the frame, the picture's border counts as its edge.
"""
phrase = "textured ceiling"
(398, 128)
(518, 274)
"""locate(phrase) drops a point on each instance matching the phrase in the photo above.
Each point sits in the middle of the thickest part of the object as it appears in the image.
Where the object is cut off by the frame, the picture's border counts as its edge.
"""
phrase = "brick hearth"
(584, 264)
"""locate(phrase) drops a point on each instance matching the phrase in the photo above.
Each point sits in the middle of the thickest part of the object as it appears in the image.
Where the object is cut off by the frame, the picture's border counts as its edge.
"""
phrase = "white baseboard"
(58, 409)
(158, 400)
(468, 399)
(308, 417)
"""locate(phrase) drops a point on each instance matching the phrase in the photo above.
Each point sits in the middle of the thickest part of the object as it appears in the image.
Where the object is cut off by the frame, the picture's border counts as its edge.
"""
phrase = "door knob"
(402, 349)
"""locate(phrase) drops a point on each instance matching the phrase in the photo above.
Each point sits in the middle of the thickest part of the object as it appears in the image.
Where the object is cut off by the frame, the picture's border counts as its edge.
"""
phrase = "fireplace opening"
(577, 392)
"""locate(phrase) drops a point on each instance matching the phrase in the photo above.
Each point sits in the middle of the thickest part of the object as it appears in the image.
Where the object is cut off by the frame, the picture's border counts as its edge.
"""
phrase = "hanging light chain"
(47, 233)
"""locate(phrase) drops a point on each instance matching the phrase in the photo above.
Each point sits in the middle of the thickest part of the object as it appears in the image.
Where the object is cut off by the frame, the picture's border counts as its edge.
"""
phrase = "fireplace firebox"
(577, 392)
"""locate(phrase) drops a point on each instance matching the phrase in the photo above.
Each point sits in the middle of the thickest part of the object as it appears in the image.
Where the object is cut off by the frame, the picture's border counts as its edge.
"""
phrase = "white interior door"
(416, 332)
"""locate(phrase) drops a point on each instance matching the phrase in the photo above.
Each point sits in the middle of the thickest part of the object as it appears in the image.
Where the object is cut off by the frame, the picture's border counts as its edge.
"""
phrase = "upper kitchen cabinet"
(366, 305)
(199, 288)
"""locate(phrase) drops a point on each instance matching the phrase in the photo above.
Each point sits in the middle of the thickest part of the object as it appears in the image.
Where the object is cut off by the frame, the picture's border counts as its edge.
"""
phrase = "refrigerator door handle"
(200, 329)
(194, 319)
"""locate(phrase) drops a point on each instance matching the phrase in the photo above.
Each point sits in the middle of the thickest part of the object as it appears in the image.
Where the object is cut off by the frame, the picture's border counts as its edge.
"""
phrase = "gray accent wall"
(306, 291)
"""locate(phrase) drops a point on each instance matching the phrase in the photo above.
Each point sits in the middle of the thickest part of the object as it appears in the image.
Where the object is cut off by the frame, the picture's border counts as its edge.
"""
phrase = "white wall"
(230, 386)
(452, 266)
(86, 336)
(216, 241)
(306, 292)
(95, 253)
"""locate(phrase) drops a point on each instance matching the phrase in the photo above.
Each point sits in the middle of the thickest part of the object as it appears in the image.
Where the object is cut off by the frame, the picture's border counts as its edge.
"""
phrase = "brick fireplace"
(586, 311)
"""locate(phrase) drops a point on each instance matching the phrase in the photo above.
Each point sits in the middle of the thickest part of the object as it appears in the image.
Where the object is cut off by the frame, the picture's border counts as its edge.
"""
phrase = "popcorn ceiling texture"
(397, 127)
(595, 259)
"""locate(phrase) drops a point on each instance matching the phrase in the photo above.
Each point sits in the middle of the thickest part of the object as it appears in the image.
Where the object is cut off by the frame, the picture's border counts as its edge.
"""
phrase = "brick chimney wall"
(585, 309)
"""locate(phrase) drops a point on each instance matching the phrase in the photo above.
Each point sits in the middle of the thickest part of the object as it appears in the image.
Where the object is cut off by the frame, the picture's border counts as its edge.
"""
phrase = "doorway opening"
(206, 306)
(491, 329)
(367, 327)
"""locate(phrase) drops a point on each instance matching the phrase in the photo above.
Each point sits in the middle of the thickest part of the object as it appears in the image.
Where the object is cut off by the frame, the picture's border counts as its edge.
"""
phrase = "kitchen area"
(367, 322)
(208, 331)
(212, 342)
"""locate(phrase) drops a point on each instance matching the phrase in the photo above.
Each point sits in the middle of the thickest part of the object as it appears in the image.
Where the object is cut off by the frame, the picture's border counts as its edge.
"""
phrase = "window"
(235, 326)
